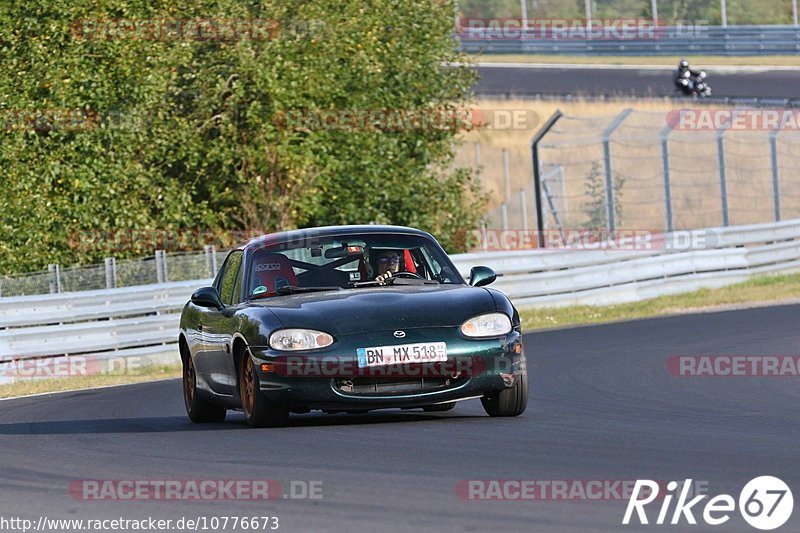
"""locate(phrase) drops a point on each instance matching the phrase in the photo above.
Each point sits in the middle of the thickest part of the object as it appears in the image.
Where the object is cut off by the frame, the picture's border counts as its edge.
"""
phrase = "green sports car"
(348, 319)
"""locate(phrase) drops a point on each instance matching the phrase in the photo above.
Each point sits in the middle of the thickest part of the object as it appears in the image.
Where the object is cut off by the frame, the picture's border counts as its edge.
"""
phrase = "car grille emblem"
(399, 334)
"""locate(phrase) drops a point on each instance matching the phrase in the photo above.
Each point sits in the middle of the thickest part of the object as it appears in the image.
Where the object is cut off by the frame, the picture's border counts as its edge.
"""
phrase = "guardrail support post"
(111, 272)
(537, 174)
(55, 278)
(723, 181)
(611, 208)
(776, 185)
(211, 259)
(667, 185)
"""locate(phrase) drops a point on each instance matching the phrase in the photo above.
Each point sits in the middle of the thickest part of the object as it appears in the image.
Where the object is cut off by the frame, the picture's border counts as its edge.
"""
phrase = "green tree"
(596, 208)
(186, 133)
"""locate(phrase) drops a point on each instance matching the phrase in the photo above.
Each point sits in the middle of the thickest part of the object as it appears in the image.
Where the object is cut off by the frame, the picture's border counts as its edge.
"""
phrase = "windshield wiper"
(292, 289)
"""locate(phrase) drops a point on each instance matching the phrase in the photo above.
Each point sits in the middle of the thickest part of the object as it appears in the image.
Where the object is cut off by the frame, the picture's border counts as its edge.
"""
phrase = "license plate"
(421, 352)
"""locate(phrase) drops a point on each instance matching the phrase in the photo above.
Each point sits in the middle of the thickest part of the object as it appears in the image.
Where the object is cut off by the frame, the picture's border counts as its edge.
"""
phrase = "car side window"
(228, 277)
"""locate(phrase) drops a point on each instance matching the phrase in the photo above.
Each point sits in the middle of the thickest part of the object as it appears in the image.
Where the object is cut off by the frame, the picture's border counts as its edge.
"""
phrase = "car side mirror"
(207, 297)
(481, 275)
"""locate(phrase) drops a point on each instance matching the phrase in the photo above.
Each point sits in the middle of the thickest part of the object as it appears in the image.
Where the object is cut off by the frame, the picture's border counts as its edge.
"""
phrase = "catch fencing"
(162, 267)
(651, 171)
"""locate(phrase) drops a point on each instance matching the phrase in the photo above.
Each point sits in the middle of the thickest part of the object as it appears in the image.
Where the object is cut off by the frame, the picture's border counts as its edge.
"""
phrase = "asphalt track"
(649, 82)
(602, 407)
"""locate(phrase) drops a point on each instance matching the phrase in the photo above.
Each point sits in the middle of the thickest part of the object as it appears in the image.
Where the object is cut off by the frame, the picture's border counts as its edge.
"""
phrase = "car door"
(215, 362)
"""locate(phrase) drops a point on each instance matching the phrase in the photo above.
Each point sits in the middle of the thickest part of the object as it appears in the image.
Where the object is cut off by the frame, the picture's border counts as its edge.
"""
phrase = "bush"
(189, 134)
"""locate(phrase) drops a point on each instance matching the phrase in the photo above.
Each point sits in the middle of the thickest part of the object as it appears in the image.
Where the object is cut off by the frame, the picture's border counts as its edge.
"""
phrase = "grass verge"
(705, 61)
(755, 292)
(38, 386)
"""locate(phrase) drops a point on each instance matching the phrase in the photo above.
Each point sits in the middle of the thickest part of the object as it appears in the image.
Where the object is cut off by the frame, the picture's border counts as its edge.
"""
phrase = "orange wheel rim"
(248, 387)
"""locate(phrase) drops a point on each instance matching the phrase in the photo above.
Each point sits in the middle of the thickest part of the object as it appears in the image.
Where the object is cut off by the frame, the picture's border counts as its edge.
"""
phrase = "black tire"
(200, 410)
(508, 402)
(258, 412)
(439, 407)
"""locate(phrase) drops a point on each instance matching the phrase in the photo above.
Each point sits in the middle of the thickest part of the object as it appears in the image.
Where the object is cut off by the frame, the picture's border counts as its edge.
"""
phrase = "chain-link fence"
(659, 171)
(159, 268)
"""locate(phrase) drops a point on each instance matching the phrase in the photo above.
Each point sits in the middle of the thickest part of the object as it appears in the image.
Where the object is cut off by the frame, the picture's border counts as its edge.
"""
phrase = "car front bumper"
(331, 380)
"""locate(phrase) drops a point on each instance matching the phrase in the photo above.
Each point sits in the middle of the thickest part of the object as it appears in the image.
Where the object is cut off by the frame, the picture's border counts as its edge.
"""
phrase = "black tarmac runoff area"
(524, 80)
(603, 406)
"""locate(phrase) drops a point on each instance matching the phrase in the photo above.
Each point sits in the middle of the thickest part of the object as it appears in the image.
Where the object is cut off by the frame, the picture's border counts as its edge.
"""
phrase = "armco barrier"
(143, 321)
(670, 40)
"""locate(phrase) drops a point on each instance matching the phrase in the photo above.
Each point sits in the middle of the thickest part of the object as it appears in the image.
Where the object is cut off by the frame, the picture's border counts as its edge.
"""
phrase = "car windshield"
(345, 261)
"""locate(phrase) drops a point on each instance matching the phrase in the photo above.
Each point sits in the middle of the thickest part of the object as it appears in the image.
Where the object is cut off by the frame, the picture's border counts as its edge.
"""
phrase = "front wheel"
(508, 402)
(258, 411)
(199, 410)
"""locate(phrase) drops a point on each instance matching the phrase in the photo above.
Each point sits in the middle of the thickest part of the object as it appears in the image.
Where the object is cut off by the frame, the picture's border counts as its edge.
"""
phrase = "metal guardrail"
(671, 40)
(143, 321)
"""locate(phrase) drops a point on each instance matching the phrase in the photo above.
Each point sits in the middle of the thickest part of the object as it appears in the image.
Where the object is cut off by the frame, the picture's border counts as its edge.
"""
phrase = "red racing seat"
(271, 271)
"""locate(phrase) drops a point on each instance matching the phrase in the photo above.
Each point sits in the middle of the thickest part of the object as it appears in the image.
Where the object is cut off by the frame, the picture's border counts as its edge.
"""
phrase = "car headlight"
(292, 340)
(488, 325)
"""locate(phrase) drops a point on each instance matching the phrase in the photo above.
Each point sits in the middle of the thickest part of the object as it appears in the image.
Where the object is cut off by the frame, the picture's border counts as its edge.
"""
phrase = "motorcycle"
(693, 83)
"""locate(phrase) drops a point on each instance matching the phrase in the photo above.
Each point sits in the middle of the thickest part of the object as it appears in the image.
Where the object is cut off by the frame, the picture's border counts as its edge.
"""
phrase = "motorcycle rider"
(688, 80)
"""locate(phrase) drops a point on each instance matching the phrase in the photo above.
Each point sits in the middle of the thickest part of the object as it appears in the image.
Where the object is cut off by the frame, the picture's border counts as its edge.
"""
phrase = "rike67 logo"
(765, 503)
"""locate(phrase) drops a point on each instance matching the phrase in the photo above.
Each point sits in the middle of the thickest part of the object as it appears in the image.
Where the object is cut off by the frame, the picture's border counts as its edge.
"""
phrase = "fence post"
(161, 273)
(611, 208)
(478, 176)
(524, 208)
(667, 185)
(55, 278)
(723, 181)
(111, 272)
(523, 11)
(506, 175)
(211, 259)
(776, 185)
(537, 174)
(724, 13)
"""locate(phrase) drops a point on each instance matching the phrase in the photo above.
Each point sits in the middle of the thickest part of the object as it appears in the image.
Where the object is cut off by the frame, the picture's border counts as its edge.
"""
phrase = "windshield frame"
(310, 238)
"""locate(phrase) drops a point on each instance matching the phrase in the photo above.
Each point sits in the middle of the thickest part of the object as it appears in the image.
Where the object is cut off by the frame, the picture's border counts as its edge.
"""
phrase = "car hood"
(352, 311)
